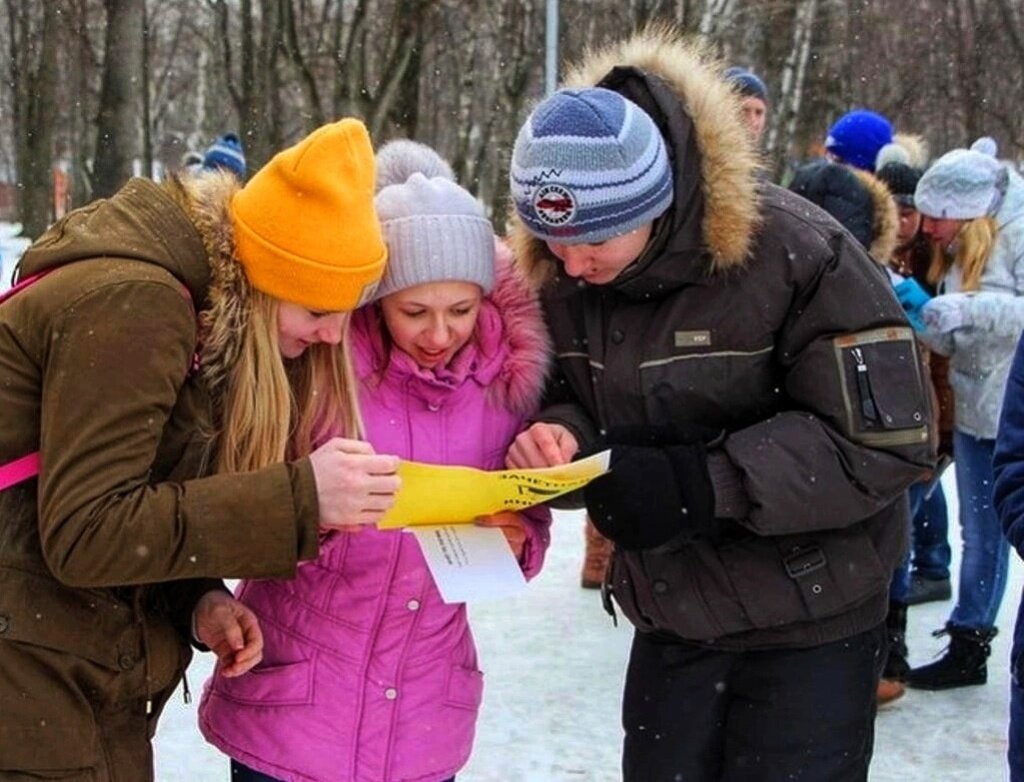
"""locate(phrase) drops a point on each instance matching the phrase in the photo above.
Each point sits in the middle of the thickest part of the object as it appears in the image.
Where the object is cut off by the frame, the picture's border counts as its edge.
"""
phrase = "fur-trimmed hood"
(509, 355)
(885, 223)
(856, 199)
(223, 312)
(712, 224)
(181, 225)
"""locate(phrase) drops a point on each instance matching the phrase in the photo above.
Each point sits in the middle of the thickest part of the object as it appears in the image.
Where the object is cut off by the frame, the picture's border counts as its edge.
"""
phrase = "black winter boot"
(890, 686)
(896, 665)
(963, 664)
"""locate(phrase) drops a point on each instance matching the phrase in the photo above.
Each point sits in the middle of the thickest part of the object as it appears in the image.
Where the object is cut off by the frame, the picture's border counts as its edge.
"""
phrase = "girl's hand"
(512, 527)
(542, 445)
(230, 629)
(354, 485)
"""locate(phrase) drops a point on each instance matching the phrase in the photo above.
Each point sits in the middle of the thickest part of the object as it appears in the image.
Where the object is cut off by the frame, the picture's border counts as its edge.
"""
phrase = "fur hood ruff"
(222, 319)
(512, 340)
(885, 222)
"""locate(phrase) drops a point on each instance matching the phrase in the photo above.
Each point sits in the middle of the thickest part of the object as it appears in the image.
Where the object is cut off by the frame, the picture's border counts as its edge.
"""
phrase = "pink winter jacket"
(367, 676)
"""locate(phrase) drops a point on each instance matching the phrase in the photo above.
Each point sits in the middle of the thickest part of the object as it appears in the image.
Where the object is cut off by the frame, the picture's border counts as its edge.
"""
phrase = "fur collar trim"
(885, 222)
(514, 355)
(223, 315)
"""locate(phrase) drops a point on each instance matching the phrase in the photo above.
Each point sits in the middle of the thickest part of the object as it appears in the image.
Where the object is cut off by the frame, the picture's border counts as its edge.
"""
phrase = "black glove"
(652, 495)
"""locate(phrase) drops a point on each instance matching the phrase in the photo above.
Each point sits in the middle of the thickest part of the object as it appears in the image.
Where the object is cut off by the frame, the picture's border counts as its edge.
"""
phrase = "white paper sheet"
(469, 563)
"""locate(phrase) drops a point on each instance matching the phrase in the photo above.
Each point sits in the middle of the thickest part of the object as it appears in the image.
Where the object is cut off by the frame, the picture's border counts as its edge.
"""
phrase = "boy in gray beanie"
(711, 331)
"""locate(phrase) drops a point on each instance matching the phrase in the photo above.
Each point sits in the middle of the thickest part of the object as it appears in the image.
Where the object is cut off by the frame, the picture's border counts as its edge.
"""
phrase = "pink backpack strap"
(27, 466)
(22, 284)
(19, 470)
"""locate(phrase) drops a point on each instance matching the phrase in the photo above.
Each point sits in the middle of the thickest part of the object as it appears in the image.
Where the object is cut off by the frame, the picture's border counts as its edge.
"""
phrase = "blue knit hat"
(589, 165)
(746, 83)
(857, 136)
(226, 153)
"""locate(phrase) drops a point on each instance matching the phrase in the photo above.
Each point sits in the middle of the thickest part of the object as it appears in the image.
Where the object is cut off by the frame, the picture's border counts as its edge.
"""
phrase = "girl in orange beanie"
(176, 350)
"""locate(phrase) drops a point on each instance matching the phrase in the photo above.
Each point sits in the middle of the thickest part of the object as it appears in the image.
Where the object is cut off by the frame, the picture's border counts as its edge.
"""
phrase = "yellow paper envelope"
(436, 494)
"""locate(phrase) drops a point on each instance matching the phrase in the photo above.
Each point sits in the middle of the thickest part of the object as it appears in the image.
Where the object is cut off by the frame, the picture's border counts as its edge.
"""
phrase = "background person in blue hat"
(753, 98)
(857, 137)
(713, 332)
(226, 154)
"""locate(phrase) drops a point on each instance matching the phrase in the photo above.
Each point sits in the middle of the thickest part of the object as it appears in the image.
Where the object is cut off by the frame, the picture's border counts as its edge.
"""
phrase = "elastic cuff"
(307, 509)
(731, 501)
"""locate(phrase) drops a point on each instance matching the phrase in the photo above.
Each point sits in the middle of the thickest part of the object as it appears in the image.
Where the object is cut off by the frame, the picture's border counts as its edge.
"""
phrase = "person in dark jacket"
(865, 206)
(182, 329)
(931, 554)
(763, 398)
(1008, 497)
(753, 98)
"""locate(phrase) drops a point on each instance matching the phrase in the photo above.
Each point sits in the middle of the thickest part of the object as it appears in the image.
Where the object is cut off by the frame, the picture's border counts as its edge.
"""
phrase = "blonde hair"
(271, 413)
(974, 243)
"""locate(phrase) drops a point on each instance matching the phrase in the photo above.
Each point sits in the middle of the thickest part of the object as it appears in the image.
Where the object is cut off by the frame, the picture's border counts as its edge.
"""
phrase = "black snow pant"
(693, 714)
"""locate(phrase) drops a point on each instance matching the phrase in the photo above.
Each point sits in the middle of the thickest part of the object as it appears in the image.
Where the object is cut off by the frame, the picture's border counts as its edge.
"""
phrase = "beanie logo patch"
(554, 204)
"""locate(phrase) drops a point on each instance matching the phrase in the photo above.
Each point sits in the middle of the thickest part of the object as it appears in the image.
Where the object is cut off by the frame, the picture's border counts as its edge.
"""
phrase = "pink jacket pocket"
(465, 688)
(288, 684)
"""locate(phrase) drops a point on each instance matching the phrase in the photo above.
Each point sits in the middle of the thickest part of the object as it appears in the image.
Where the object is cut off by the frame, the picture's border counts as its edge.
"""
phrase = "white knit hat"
(435, 230)
(963, 184)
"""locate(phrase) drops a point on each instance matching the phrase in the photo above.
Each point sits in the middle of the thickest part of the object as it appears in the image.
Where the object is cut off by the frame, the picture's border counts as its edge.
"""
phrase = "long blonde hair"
(271, 412)
(974, 243)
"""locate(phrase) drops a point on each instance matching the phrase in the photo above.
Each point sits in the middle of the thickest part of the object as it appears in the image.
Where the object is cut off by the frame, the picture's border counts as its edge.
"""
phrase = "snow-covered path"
(554, 665)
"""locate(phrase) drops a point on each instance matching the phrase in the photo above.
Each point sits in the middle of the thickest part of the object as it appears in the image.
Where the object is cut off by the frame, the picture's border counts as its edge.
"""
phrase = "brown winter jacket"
(103, 557)
(747, 313)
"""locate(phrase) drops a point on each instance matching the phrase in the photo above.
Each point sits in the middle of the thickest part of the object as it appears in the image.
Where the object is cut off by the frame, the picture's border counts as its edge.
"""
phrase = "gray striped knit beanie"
(589, 165)
(435, 230)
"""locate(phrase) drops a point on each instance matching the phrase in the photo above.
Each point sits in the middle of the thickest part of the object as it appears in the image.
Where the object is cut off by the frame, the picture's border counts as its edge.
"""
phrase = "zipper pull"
(867, 404)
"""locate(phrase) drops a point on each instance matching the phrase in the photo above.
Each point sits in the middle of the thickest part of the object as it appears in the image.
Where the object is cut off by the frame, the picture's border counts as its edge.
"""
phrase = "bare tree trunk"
(782, 127)
(117, 132)
(1013, 23)
(717, 15)
(33, 74)
(147, 120)
(293, 51)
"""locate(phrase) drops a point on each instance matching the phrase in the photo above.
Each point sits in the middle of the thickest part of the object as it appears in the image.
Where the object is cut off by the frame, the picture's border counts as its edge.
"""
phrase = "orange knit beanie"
(304, 225)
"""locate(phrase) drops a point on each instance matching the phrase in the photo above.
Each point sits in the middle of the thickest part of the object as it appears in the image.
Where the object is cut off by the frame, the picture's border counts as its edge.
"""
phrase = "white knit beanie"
(435, 230)
(963, 184)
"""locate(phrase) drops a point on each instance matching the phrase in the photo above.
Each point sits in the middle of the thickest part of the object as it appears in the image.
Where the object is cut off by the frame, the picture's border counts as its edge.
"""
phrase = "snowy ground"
(554, 666)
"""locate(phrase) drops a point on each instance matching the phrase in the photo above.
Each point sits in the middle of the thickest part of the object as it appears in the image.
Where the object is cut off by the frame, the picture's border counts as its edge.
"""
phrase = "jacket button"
(390, 693)
(433, 408)
(5, 623)
(413, 605)
(618, 336)
(661, 587)
(126, 662)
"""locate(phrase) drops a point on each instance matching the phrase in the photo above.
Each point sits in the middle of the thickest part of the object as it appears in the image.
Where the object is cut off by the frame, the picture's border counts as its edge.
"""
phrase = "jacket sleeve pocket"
(884, 397)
